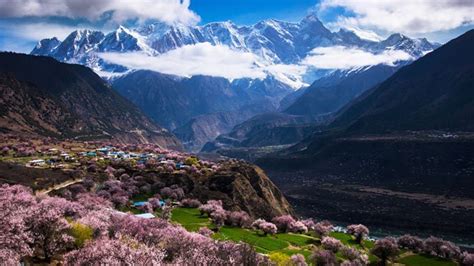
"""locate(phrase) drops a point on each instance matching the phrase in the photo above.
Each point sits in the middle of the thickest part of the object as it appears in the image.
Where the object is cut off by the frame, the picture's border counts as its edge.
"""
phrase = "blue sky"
(251, 11)
(23, 23)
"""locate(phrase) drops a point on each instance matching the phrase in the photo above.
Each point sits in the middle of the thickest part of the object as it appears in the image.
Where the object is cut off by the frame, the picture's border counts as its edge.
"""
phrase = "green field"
(289, 243)
(349, 241)
(190, 219)
(425, 260)
(264, 244)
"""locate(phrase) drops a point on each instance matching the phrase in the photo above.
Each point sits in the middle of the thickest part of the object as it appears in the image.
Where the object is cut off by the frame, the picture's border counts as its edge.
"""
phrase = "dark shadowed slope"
(45, 97)
(269, 129)
(330, 93)
(435, 92)
(303, 111)
(400, 156)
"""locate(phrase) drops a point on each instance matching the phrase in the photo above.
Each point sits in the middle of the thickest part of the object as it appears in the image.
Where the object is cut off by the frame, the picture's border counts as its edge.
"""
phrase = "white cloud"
(340, 57)
(169, 11)
(363, 34)
(406, 16)
(210, 60)
(37, 31)
(189, 60)
(222, 61)
(291, 75)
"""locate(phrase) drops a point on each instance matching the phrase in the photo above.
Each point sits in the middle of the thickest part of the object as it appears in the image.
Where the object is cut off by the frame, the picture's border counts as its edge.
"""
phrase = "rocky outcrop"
(245, 187)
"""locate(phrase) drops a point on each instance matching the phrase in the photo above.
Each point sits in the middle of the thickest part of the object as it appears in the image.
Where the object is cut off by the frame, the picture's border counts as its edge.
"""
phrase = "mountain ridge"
(272, 41)
(412, 134)
(198, 106)
(42, 96)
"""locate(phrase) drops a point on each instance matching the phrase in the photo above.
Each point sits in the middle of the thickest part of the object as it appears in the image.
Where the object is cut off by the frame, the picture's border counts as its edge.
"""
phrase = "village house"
(38, 162)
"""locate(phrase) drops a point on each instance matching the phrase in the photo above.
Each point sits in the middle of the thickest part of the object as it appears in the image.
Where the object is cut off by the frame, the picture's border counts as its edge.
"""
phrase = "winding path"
(59, 186)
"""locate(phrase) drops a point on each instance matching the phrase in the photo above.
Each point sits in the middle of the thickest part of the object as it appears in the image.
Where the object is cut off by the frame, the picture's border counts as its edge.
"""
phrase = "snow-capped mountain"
(272, 41)
(46, 46)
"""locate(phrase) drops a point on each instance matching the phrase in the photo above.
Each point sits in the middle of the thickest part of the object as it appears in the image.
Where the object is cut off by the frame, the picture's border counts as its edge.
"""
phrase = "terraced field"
(283, 245)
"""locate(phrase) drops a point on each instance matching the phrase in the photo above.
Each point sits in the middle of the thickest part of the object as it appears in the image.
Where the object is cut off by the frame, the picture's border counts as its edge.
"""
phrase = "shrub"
(298, 260)
(323, 228)
(268, 228)
(205, 231)
(218, 217)
(166, 212)
(331, 244)
(81, 233)
(191, 161)
(354, 256)
(210, 207)
(441, 248)
(323, 258)
(309, 223)
(190, 203)
(279, 258)
(239, 218)
(147, 208)
(114, 252)
(385, 249)
(155, 203)
(298, 227)
(256, 224)
(50, 231)
(412, 243)
(174, 193)
(359, 231)
(283, 222)
(466, 259)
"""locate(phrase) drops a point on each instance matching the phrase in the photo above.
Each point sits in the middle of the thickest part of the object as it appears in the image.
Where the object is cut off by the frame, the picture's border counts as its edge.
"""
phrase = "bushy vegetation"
(93, 222)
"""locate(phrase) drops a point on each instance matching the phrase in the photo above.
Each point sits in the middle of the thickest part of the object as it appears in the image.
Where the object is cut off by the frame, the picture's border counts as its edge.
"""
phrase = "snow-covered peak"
(414, 47)
(46, 46)
(395, 38)
(273, 42)
(78, 44)
(312, 17)
(124, 40)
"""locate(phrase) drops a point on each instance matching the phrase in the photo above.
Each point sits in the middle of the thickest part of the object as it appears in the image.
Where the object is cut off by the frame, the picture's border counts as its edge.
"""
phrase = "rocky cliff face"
(245, 187)
(240, 186)
(40, 96)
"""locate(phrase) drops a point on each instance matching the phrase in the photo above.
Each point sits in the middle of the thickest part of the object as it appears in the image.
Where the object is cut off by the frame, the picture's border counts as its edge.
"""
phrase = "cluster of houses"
(163, 158)
(55, 158)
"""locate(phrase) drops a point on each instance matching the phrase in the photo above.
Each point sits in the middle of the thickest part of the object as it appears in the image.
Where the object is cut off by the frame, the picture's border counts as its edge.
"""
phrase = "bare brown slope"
(41, 96)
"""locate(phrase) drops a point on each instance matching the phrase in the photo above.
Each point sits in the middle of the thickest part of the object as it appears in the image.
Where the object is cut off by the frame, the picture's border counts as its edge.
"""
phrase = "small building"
(65, 156)
(185, 167)
(104, 150)
(91, 154)
(139, 203)
(133, 155)
(145, 215)
(39, 162)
